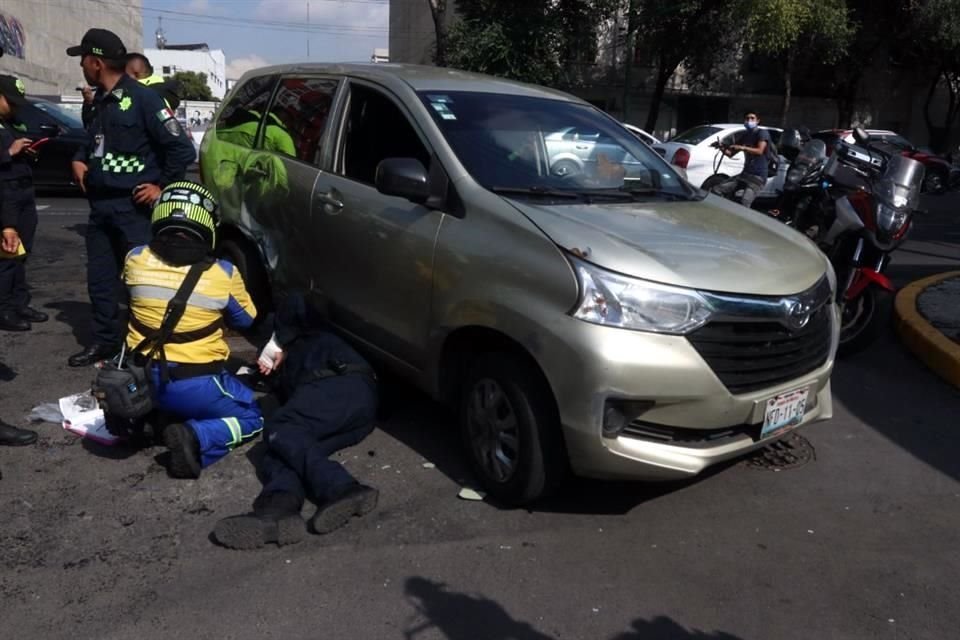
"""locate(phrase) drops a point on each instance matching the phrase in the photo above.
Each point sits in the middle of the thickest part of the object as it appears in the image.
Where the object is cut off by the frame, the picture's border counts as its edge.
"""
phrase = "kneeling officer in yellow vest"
(190, 382)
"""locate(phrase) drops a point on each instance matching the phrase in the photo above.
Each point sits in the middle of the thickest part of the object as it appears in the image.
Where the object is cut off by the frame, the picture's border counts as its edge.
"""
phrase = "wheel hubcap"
(494, 436)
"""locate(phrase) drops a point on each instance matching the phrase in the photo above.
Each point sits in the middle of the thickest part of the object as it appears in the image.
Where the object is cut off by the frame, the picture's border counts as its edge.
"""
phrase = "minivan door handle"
(330, 199)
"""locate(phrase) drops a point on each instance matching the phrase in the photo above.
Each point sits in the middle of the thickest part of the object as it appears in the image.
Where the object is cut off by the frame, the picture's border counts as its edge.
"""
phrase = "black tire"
(538, 457)
(934, 183)
(247, 260)
(713, 181)
(862, 320)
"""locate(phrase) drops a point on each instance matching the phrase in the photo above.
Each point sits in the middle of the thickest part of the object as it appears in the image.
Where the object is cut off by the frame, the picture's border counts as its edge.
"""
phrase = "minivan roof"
(418, 77)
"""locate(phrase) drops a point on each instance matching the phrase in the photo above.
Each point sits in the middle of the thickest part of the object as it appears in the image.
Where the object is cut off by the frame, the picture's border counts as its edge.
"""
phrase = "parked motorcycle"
(858, 207)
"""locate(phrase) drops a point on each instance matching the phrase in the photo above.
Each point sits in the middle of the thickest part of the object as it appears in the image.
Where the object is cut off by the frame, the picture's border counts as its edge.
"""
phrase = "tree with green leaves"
(933, 47)
(531, 41)
(790, 30)
(698, 34)
(193, 85)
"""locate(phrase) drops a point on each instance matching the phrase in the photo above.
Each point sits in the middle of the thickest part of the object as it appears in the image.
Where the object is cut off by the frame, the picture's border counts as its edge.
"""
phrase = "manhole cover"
(789, 452)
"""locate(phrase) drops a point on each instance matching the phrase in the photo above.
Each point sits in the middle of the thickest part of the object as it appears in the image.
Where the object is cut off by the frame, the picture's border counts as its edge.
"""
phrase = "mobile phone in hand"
(36, 144)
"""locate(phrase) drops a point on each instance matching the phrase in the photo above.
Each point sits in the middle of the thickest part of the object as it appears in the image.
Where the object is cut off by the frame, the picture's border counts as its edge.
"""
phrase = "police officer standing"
(18, 211)
(135, 148)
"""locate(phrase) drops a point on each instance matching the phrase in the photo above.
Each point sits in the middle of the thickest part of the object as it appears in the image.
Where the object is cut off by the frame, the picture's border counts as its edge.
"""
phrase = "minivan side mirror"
(50, 130)
(403, 177)
(860, 135)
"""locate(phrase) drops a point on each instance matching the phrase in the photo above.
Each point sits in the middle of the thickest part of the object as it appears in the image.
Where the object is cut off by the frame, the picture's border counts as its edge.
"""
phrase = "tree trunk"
(438, 9)
(934, 132)
(629, 52)
(664, 72)
(787, 88)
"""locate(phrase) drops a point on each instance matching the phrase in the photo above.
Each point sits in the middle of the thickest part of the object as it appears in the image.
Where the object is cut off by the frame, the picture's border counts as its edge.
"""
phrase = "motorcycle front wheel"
(861, 320)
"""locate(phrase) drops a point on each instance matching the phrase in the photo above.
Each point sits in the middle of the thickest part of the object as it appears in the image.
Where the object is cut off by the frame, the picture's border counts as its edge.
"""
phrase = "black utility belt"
(184, 370)
(17, 183)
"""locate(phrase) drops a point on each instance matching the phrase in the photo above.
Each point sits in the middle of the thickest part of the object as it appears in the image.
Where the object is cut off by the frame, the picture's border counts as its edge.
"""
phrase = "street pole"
(308, 29)
(628, 56)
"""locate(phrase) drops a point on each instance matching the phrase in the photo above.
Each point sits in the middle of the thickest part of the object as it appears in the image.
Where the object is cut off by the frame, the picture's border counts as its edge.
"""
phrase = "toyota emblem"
(798, 314)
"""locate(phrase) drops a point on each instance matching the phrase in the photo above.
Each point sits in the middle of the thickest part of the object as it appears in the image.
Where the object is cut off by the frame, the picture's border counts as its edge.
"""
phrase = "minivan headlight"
(616, 300)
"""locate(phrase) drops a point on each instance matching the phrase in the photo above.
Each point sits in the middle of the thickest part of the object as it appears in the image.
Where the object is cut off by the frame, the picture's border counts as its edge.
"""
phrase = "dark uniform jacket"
(11, 168)
(133, 139)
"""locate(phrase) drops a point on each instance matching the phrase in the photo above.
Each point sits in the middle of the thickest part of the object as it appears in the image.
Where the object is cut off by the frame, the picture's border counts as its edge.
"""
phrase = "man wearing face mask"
(754, 143)
(136, 147)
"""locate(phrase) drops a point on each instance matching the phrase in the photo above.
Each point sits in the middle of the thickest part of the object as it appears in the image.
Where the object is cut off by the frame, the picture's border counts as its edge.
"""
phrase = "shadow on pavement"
(6, 373)
(921, 417)
(77, 316)
(664, 628)
(459, 616)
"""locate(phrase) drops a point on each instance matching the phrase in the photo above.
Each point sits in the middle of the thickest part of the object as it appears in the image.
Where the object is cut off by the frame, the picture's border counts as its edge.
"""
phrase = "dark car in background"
(63, 127)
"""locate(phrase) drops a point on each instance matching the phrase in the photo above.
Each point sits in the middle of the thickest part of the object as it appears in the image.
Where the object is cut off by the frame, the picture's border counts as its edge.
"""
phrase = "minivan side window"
(298, 117)
(376, 129)
(239, 121)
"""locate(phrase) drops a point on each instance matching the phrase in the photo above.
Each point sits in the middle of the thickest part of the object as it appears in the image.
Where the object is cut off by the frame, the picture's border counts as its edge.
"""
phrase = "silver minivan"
(612, 321)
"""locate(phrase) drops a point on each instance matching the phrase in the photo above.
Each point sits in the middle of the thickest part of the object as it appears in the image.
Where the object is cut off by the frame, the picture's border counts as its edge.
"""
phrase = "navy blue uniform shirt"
(11, 168)
(133, 139)
(756, 165)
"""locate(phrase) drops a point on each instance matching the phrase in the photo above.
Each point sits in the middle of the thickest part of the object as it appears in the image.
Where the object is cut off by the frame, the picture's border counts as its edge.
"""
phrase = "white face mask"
(750, 124)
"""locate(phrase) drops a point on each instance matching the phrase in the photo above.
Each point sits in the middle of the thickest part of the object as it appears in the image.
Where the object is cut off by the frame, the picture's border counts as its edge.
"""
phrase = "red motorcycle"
(858, 206)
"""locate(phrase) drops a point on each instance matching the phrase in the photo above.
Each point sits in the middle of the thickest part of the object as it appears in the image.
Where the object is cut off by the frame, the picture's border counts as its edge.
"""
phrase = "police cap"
(100, 42)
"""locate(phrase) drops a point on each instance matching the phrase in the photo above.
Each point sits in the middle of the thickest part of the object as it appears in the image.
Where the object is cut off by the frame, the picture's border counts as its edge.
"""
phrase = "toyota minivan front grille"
(748, 356)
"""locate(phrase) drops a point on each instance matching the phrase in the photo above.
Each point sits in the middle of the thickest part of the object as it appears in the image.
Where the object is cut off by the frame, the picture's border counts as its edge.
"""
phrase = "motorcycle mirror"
(860, 135)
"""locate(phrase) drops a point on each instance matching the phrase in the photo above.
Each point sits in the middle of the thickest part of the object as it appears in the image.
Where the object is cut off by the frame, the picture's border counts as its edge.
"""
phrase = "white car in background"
(640, 133)
(692, 151)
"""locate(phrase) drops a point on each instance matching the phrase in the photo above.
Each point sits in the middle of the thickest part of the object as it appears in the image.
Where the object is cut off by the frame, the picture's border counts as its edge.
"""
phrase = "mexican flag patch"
(164, 114)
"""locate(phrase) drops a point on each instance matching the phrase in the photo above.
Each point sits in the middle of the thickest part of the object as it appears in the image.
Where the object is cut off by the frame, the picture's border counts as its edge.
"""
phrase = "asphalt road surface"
(860, 541)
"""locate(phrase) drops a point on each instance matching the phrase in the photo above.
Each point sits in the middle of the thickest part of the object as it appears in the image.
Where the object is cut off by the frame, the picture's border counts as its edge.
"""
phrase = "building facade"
(34, 36)
(198, 58)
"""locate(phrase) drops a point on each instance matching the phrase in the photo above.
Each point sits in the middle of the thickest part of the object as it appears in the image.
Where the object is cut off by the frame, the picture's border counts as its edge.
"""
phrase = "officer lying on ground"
(329, 396)
(190, 381)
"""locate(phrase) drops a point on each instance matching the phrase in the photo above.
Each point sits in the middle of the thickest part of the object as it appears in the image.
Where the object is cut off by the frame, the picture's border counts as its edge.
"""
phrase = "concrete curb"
(938, 352)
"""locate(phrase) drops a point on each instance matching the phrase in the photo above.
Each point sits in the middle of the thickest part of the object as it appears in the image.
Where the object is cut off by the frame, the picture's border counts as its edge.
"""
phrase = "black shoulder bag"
(124, 389)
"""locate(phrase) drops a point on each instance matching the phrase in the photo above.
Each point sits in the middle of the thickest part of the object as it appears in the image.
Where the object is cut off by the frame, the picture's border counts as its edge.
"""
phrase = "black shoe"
(184, 451)
(93, 354)
(13, 437)
(11, 321)
(251, 531)
(32, 315)
(357, 500)
(277, 503)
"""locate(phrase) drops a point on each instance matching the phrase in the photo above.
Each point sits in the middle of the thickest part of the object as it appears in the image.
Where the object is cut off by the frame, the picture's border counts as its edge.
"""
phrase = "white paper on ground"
(82, 416)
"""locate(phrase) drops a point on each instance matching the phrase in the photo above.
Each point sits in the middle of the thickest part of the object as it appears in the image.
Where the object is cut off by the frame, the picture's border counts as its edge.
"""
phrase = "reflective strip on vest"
(153, 292)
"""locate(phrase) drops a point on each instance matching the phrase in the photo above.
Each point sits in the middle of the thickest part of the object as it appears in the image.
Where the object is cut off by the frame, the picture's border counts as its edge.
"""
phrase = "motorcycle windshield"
(808, 163)
(900, 184)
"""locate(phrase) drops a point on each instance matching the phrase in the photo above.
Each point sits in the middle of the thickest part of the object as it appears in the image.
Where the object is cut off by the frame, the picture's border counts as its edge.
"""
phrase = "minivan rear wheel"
(246, 259)
(510, 429)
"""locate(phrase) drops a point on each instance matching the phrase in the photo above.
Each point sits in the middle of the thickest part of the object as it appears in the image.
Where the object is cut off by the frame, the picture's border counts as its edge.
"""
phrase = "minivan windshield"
(522, 146)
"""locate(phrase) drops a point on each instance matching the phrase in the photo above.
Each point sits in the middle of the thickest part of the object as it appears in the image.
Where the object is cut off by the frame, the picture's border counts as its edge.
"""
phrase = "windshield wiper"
(541, 192)
(650, 191)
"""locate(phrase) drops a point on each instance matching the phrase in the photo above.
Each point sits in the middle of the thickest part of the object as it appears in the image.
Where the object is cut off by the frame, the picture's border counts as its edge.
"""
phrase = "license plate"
(784, 411)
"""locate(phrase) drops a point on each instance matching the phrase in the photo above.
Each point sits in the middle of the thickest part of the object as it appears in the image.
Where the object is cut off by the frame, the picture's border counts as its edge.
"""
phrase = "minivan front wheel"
(510, 429)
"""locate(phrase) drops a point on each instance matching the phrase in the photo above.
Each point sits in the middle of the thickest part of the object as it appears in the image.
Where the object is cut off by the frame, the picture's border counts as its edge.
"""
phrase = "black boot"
(184, 451)
(251, 531)
(11, 321)
(93, 354)
(355, 500)
(32, 315)
(13, 437)
(275, 519)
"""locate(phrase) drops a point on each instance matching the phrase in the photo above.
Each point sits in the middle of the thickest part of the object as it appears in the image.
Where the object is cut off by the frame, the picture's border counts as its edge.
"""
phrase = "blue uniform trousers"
(116, 226)
(319, 418)
(19, 204)
(220, 409)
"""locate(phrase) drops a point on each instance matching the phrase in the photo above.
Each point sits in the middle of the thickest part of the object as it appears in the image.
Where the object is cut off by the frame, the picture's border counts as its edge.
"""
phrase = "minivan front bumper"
(693, 421)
